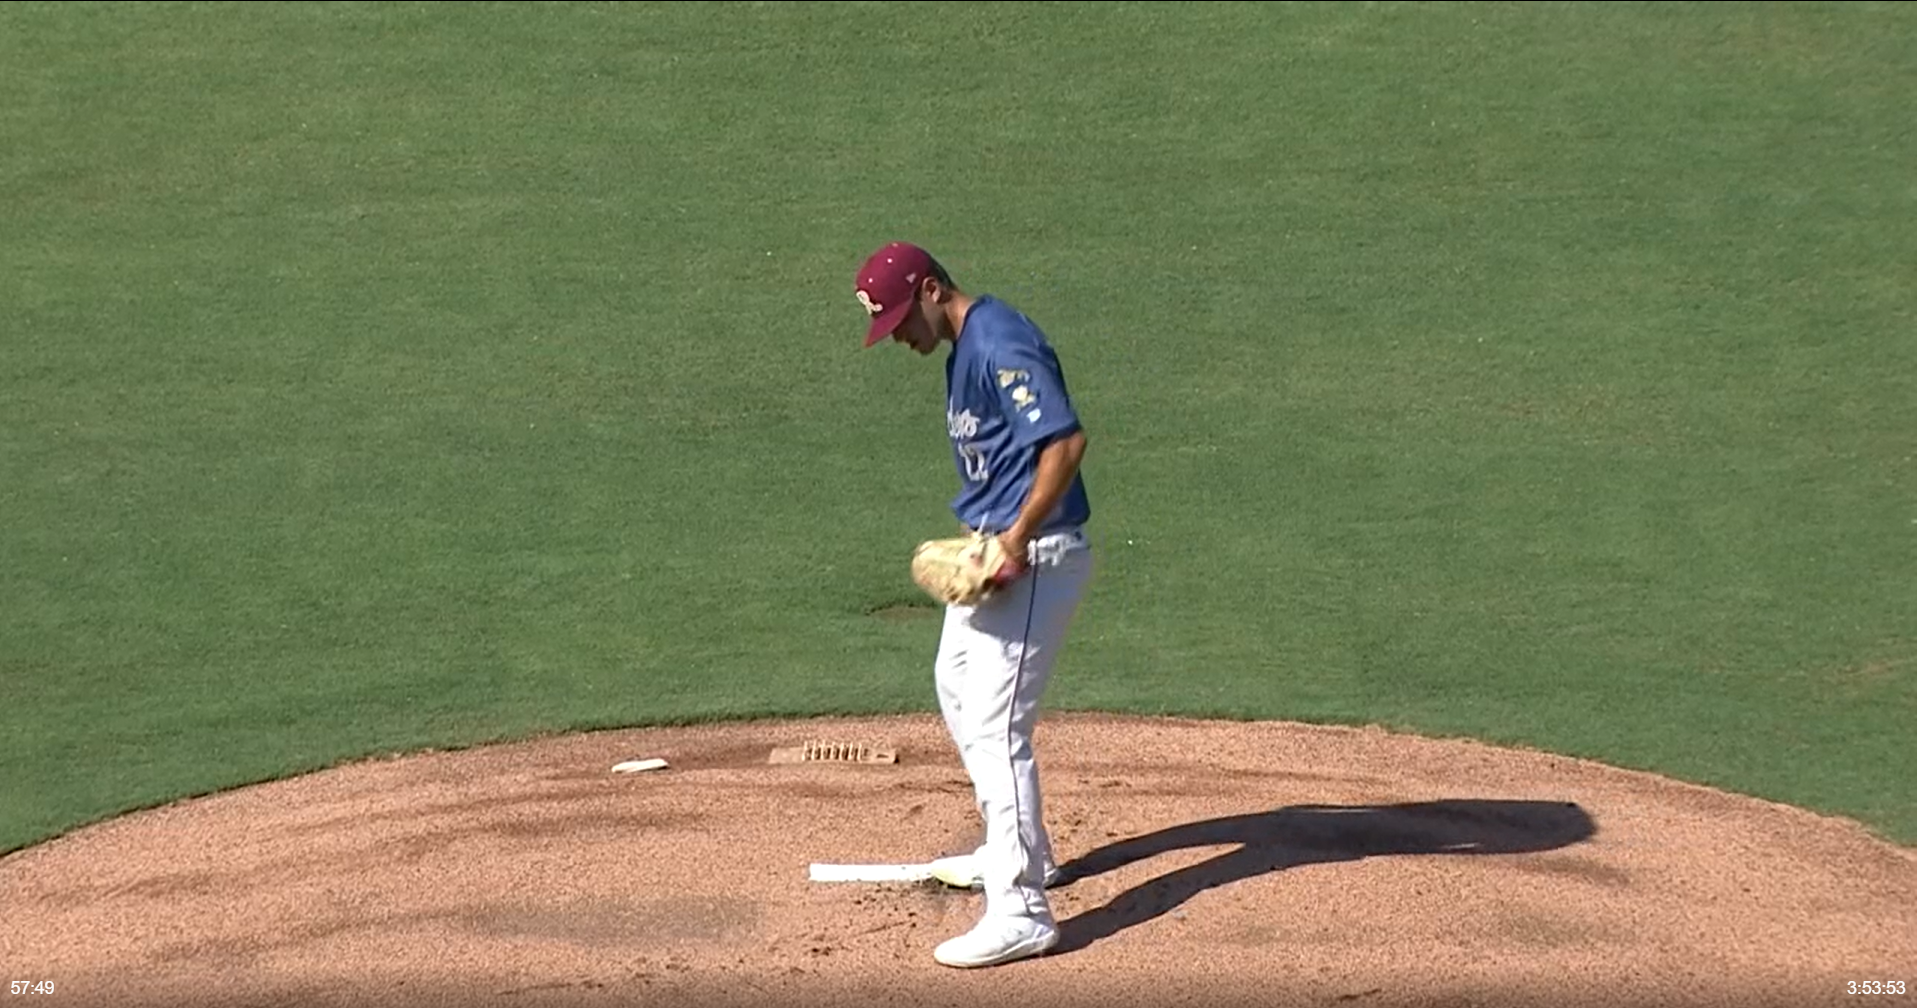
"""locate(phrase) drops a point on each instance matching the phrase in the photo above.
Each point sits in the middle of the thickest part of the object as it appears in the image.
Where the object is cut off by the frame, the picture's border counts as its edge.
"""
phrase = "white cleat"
(963, 871)
(997, 940)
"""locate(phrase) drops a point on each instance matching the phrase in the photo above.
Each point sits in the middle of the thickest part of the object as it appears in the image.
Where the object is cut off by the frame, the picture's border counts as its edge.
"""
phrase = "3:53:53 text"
(1875, 987)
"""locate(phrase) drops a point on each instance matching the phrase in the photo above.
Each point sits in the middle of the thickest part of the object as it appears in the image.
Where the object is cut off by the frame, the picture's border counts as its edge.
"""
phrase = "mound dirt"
(1206, 863)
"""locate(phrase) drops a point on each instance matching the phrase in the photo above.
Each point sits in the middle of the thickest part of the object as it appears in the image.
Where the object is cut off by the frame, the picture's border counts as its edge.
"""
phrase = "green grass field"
(380, 376)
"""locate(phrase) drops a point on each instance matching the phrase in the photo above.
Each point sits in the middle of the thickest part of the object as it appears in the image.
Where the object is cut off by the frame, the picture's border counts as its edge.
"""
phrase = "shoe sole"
(1023, 950)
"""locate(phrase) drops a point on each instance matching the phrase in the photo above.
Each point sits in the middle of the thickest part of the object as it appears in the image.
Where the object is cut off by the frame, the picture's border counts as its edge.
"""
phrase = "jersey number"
(974, 463)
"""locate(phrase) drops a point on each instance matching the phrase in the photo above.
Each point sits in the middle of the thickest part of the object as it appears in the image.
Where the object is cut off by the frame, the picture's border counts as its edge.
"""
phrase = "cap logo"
(870, 305)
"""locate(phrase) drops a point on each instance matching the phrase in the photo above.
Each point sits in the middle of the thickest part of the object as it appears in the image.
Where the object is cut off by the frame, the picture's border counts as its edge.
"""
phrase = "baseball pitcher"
(1011, 583)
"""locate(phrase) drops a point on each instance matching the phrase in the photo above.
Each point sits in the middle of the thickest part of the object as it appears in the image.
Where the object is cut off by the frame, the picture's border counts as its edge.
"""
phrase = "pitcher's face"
(917, 331)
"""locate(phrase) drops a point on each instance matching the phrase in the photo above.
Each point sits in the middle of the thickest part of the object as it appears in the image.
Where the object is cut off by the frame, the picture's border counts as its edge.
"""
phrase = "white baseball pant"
(994, 662)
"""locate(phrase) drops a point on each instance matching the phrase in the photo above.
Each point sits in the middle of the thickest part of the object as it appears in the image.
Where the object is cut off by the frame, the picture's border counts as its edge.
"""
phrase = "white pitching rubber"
(871, 872)
(638, 766)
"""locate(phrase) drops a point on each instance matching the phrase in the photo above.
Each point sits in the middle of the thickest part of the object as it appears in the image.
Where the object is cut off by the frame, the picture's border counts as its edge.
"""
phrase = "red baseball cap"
(887, 285)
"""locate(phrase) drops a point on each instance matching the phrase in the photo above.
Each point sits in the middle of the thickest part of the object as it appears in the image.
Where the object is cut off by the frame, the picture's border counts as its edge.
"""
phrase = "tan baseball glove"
(963, 570)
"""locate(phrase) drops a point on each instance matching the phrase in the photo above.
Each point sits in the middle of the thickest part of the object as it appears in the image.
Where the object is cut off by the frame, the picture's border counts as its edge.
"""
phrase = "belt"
(1051, 547)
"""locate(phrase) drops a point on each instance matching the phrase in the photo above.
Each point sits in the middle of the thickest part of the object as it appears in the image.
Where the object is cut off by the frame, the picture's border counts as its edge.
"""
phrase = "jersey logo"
(961, 425)
(1007, 376)
(1023, 397)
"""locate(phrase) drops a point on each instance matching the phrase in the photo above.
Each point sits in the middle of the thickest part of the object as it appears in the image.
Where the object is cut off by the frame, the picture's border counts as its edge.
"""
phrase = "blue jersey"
(1005, 399)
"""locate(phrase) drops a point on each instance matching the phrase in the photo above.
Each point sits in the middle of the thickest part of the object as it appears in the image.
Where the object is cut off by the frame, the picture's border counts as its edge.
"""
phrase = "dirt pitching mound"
(1207, 863)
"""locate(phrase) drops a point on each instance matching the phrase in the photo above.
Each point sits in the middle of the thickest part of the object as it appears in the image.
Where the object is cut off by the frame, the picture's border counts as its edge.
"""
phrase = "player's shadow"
(1311, 834)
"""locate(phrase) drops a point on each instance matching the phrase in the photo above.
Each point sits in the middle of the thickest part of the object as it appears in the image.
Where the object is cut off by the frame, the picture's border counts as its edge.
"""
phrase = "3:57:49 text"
(32, 986)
